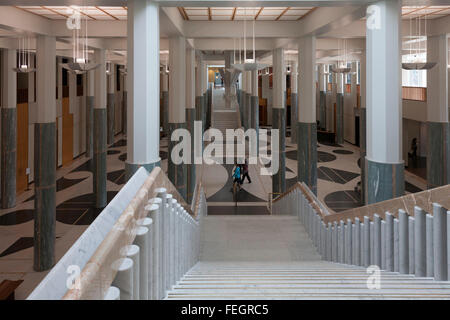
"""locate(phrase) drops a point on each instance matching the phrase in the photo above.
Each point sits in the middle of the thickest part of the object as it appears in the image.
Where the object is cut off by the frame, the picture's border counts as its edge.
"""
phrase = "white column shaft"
(112, 79)
(143, 82)
(9, 79)
(306, 80)
(45, 78)
(279, 78)
(294, 78)
(384, 109)
(190, 78)
(437, 79)
(177, 80)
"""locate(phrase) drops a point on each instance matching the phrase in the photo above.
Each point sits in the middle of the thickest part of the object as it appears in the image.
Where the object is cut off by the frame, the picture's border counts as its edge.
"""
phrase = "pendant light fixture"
(417, 65)
(80, 63)
(249, 64)
(24, 56)
(341, 65)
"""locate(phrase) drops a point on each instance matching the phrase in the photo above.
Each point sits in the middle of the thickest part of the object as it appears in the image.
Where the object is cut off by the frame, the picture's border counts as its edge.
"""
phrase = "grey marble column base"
(438, 154)
(131, 168)
(294, 116)
(177, 173)
(323, 110)
(45, 195)
(279, 178)
(165, 106)
(384, 181)
(111, 116)
(89, 126)
(99, 159)
(340, 118)
(307, 154)
(190, 118)
(9, 157)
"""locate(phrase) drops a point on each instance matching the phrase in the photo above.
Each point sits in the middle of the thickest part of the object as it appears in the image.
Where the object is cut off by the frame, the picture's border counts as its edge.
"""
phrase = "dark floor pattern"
(117, 177)
(335, 175)
(113, 151)
(79, 211)
(19, 245)
(321, 156)
(84, 167)
(162, 155)
(343, 200)
(226, 195)
(411, 188)
(342, 151)
(61, 184)
(120, 143)
(239, 210)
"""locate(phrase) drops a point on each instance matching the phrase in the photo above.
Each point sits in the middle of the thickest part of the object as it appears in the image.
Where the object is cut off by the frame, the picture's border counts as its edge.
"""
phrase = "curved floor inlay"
(113, 151)
(225, 193)
(117, 177)
(321, 156)
(342, 151)
(120, 143)
(343, 200)
(78, 210)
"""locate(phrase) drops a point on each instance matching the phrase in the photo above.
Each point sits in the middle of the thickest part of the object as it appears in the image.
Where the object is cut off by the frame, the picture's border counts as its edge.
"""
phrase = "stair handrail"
(313, 200)
(423, 199)
(415, 242)
(97, 275)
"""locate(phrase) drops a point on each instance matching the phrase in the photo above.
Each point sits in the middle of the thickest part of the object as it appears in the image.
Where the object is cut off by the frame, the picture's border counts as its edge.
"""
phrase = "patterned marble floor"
(74, 212)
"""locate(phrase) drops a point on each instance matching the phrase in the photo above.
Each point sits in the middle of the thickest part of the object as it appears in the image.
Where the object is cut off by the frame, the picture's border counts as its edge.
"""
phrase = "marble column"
(229, 91)
(90, 84)
(294, 102)
(190, 117)
(307, 126)
(199, 98)
(340, 108)
(322, 97)
(165, 100)
(177, 104)
(254, 112)
(45, 155)
(244, 95)
(143, 86)
(362, 124)
(248, 97)
(438, 129)
(125, 104)
(279, 119)
(241, 97)
(100, 131)
(110, 103)
(204, 79)
(9, 128)
(384, 163)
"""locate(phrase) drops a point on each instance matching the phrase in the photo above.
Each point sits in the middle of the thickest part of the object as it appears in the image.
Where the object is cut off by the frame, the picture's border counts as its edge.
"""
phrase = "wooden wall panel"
(22, 147)
(67, 132)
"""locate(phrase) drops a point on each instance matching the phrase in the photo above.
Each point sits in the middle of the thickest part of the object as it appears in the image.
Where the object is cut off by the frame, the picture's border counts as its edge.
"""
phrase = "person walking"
(245, 172)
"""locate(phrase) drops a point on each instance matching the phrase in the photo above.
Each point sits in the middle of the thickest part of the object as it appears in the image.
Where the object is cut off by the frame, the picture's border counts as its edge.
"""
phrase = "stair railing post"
(403, 242)
(329, 242)
(389, 235)
(142, 241)
(154, 212)
(420, 245)
(383, 245)
(132, 252)
(377, 240)
(412, 259)
(357, 243)
(335, 242)
(429, 241)
(348, 247)
(151, 262)
(396, 256)
(342, 243)
(366, 241)
(440, 242)
(124, 277)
